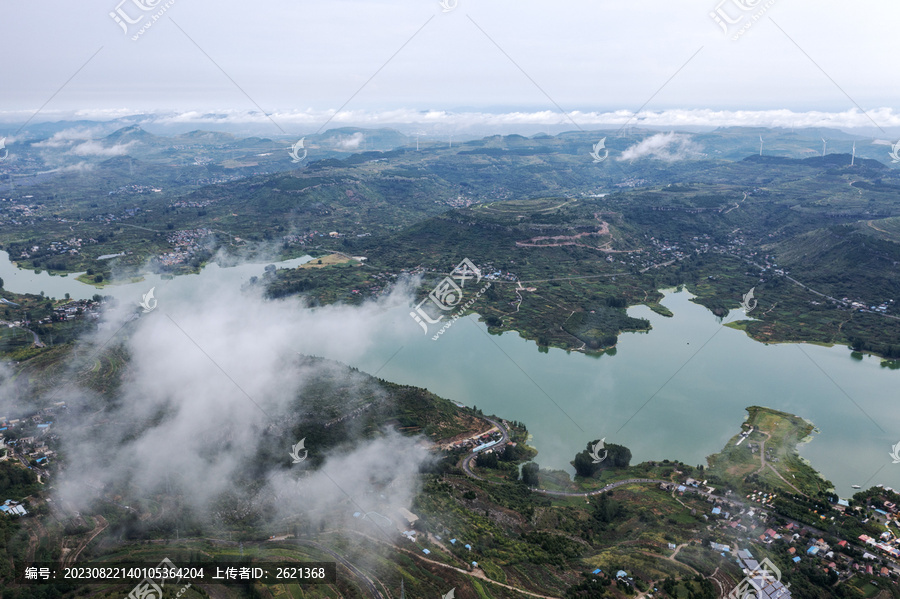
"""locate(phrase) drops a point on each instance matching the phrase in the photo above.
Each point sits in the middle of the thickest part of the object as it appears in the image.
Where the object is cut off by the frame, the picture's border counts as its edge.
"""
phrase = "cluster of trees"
(15, 481)
(617, 456)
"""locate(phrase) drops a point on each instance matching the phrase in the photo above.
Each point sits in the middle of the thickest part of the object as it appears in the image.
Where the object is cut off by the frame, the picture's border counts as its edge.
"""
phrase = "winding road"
(37, 340)
(467, 461)
(608, 487)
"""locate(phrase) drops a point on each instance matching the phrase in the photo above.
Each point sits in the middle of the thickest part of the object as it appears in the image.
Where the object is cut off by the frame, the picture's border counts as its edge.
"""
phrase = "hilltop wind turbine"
(760, 145)
(824, 145)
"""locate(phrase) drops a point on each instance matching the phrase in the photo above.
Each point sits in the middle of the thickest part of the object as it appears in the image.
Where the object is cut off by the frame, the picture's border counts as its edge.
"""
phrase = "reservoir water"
(678, 391)
(27, 281)
(693, 376)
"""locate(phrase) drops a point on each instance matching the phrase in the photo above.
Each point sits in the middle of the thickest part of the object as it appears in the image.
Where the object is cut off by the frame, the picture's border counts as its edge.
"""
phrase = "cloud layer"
(663, 146)
(213, 383)
(310, 120)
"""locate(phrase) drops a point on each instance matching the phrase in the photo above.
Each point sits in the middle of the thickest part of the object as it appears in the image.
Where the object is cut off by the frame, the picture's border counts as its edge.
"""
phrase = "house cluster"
(12, 213)
(499, 275)
(69, 246)
(886, 543)
(690, 486)
(33, 448)
(459, 202)
(859, 306)
(37, 431)
(801, 543)
(134, 189)
(765, 582)
(484, 442)
(13, 508)
(631, 182)
(621, 578)
(186, 243)
(72, 310)
(57, 248)
(191, 204)
(294, 238)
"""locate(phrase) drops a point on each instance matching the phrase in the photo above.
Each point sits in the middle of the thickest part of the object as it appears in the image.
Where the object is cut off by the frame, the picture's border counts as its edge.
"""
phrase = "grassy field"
(773, 440)
(329, 260)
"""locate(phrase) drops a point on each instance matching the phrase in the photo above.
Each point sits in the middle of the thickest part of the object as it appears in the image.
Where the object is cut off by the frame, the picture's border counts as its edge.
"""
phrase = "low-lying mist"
(201, 423)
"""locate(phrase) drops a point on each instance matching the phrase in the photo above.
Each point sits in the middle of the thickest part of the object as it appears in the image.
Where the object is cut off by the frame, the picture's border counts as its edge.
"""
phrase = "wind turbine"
(418, 133)
(824, 145)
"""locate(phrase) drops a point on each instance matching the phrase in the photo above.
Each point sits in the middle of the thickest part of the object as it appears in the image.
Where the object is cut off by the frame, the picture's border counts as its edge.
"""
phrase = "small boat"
(856, 486)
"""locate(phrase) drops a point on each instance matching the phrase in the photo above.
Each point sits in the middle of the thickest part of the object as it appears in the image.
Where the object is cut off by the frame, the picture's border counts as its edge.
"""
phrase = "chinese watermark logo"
(762, 581)
(148, 303)
(149, 588)
(296, 449)
(595, 451)
(895, 453)
(895, 152)
(447, 295)
(4, 153)
(295, 155)
(600, 145)
(448, 5)
(749, 302)
(125, 19)
(726, 19)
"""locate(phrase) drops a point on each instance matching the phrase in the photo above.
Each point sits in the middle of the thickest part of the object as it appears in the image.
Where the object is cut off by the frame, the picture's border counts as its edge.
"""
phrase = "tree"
(488, 460)
(530, 474)
(616, 456)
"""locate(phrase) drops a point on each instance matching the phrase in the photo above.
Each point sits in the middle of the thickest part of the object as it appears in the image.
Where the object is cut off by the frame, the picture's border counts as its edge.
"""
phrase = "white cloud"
(67, 137)
(214, 380)
(663, 146)
(95, 148)
(78, 167)
(350, 142)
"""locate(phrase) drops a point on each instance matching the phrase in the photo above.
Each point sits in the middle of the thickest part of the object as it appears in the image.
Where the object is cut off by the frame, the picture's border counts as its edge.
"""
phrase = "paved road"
(608, 487)
(813, 291)
(37, 340)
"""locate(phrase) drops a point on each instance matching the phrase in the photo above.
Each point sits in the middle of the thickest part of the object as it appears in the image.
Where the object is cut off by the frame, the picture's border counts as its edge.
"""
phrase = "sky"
(577, 62)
